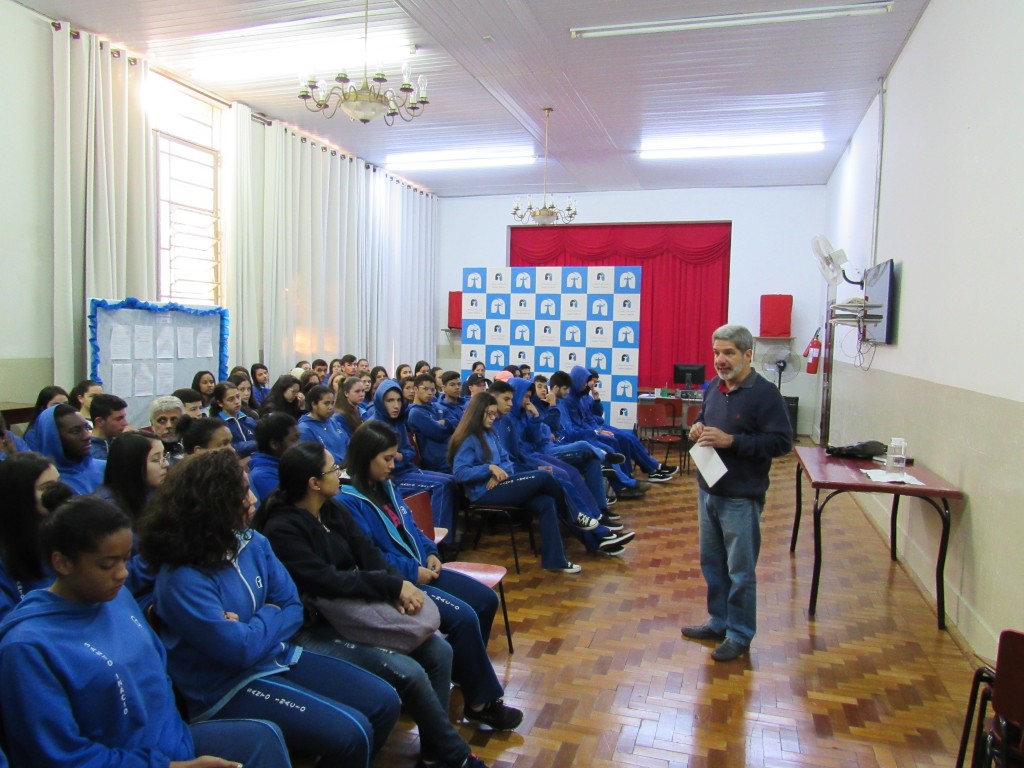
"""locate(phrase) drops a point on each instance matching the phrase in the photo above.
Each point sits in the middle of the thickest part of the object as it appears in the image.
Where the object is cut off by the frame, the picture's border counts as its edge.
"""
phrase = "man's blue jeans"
(730, 541)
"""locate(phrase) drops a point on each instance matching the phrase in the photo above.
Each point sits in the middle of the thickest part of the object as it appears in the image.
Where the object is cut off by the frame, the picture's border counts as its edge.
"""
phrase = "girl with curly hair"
(228, 612)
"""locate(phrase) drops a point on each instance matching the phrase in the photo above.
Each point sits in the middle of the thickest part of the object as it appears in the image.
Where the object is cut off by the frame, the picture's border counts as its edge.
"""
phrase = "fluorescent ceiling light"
(460, 159)
(733, 20)
(732, 146)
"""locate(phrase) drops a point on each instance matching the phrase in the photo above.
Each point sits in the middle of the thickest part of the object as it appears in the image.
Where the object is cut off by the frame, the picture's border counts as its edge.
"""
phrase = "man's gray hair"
(165, 403)
(737, 334)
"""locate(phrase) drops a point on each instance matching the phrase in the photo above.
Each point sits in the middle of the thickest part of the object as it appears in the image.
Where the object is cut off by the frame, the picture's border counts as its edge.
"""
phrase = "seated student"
(285, 397)
(226, 405)
(485, 470)
(319, 367)
(349, 365)
(191, 401)
(260, 377)
(308, 380)
(365, 406)
(23, 477)
(391, 408)
(421, 366)
(52, 395)
(199, 435)
(363, 365)
(347, 414)
(64, 438)
(275, 434)
(334, 368)
(585, 398)
(451, 400)
(302, 365)
(428, 422)
(10, 443)
(83, 680)
(204, 383)
(571, 426)
(164, 412)
(514, 370)
(408, 388)
(525, 371)
(378, 374)
(319, 425)
(109, 419)
(81, 395)
(329, 556)
(227, 612)
(244, 384)
(435, 373)
(467, 607)
(403, 371)
(473, 384)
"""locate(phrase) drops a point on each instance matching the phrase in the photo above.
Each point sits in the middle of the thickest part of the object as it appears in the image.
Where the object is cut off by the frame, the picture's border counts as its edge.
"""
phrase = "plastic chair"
(489, 575)
(999, 739)
(660, 420)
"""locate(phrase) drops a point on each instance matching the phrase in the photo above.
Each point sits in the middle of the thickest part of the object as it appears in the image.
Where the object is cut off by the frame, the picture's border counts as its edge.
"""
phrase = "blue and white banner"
(553, 318)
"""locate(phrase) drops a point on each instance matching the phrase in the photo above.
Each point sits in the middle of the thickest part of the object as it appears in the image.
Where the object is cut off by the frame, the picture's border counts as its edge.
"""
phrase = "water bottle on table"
(896, 460)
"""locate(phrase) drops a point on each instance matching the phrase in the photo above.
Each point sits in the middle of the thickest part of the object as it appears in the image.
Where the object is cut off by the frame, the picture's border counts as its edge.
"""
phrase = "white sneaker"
(586, 522)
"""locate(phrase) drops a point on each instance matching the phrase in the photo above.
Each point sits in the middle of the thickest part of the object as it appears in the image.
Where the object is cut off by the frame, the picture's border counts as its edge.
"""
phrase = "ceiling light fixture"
(752, 145)
(367, 102)
(733, 20)
(548, 213)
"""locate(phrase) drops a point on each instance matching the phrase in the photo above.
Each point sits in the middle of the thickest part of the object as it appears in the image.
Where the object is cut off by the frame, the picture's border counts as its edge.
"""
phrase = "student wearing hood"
(391, 408)
(64, 436)
(83, 680)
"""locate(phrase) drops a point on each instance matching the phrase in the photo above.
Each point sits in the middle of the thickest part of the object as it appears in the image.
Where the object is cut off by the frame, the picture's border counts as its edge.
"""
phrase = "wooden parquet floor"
(606, 680)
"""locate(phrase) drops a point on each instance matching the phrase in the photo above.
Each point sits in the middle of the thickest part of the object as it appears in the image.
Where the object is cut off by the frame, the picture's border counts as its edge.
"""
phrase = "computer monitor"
(689, 375)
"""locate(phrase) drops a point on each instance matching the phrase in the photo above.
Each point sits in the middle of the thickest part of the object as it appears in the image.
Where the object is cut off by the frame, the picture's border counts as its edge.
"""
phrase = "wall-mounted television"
(880, 289)
(688, 375)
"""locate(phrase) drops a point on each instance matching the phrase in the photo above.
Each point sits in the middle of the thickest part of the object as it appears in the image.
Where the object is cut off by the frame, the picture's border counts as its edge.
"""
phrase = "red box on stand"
(776, 315)
(454, 309)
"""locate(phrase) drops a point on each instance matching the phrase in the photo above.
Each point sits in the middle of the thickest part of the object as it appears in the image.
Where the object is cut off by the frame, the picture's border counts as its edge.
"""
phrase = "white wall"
(772, 229)
(950, 214)
(26, 203)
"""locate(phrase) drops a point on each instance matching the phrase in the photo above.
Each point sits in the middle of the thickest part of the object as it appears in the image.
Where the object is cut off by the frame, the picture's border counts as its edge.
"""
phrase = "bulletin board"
(139, 350)
(554, 318)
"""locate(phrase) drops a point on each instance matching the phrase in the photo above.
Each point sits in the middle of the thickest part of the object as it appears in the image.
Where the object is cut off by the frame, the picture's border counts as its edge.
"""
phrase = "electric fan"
(780, 364)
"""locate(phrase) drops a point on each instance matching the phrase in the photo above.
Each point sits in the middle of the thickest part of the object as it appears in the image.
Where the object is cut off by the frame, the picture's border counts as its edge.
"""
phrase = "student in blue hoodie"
(83, 680)
(63, 435)
(23, 477)
(319, 424)
(51, 395)
(467, 607)
(450, 398)
(226, 405)
(429, 424)
(391, 408)
(260, 377)
(351, 396)
(275, 434)
(10, 443)
(488, 475)
(228, 611)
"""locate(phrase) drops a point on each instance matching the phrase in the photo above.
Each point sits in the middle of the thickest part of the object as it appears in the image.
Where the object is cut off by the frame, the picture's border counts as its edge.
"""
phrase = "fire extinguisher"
(813, 353)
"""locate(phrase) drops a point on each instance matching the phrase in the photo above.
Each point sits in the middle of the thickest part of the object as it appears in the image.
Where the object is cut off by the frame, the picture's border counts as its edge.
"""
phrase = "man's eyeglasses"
(431, 390)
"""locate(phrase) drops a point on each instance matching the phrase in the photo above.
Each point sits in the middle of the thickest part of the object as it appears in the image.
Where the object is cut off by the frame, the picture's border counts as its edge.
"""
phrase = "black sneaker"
(668, 469)
(643, 486)
(631, 493)
(497, 715)
(609, 473)
(616, 540)
(657, 476)
(614, 458)
(609, 515)
(610, 524)
(617, 551)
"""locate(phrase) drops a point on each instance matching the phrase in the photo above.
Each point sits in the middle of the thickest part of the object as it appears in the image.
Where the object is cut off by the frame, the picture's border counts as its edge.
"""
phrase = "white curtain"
(347, 263)
(103, 190)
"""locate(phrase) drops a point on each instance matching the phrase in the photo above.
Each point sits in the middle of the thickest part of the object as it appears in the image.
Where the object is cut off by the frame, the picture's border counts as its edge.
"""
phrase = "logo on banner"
(472, 331)
(474, 280)
(523, 280)
(626, 334)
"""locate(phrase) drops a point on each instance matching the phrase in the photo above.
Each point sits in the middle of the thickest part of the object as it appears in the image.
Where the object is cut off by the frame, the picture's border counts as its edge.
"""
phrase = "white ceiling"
(494, 64)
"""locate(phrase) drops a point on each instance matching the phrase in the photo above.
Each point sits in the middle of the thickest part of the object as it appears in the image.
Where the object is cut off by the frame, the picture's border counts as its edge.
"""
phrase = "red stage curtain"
(685, 285)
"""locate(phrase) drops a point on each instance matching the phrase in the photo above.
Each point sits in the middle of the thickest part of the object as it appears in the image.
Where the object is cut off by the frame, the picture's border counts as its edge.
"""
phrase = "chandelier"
(370, 100)
(548, 212)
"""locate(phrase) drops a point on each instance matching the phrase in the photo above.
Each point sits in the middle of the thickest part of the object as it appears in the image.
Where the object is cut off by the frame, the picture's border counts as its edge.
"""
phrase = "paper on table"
(204, 343)
(185, 343)
(121, 379)
(165, 378)
(881, 476)
(143, 342)
(709, 463)
(120, 343)
(164, 342)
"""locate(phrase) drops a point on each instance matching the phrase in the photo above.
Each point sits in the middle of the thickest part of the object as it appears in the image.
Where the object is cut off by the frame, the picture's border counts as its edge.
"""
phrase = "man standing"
(745, 419)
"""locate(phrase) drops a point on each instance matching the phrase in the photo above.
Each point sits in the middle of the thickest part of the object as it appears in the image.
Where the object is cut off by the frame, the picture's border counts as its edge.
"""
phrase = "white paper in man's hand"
(709, 463)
